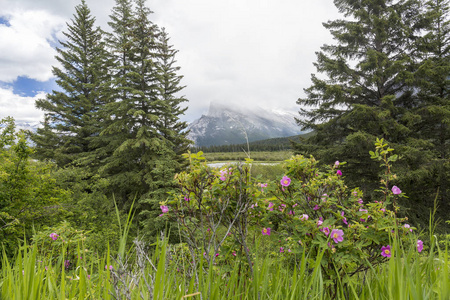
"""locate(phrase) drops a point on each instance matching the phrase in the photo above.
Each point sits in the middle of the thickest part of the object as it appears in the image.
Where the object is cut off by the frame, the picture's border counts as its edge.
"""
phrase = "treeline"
(271, 145)
(387, 75)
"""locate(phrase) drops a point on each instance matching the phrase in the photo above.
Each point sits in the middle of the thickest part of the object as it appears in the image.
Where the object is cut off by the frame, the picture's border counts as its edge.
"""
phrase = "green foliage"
(406, 275)
(66, 240)
(277, 156)
(386, 77)
(70, 113)
(308, 211)
(29, 194)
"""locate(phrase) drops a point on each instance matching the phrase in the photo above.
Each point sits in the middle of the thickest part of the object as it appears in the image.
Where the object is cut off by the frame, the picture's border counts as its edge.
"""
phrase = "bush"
(307, 211)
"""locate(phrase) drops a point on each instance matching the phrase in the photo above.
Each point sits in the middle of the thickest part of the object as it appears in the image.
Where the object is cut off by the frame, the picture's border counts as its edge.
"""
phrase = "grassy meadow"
(260, 156)
(157, 274)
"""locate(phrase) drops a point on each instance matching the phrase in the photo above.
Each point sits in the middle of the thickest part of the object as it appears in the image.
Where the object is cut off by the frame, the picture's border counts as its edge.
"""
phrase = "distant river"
(221, 164)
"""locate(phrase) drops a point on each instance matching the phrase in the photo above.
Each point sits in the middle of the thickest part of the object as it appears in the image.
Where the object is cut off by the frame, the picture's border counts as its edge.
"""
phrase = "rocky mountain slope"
(226, 125)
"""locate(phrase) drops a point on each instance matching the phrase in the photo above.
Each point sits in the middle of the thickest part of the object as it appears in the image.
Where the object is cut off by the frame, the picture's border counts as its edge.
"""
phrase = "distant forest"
(274, 144)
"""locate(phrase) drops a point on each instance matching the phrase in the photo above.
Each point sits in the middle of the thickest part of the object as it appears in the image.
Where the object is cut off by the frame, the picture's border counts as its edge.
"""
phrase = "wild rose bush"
(308, 210)
(212, 210)
(317, 214)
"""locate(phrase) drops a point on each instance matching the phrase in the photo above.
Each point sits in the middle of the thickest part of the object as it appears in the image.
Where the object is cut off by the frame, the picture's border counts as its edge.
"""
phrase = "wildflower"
(337, 235)
(316, 207)
(319, 222)
(383, 210)
(110, 267)
(282, 207)
(419, 246)
(294, 205)
(345, 219)
(304, 217)
(186, 198)
(67, 263)
(281, 249)
(54, 236)
(270, 206)
(407, 226)
(326, 230)
(223, 173)
(339, 173)
(291, 212)
(336, 163)
(217, 254)
(263, 185)
(386, 251)
(266, 231)
(324, 197)
(396, 190)
(360, 201)
(234, 253)
(285, 181)
(164, 209)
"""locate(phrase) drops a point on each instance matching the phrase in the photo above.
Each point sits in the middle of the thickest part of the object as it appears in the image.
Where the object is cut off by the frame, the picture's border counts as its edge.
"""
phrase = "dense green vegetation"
(273, 145)
(364, 253)
(113, 127)
(387, 75)
(268, 156)
(111, 204)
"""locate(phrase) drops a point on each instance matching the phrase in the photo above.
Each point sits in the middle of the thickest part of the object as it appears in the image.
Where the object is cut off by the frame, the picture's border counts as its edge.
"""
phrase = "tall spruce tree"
(69, 112)
(172, 133)
(367, 88)
(433, 107)
(169, 82)
(116, 114)
(134, 135)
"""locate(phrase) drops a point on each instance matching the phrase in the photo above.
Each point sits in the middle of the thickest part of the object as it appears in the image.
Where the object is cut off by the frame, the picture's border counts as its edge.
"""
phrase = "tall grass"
(406, 275)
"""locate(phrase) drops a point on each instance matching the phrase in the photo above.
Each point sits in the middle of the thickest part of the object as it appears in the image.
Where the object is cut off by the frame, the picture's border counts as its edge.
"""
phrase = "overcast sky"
(253, 52)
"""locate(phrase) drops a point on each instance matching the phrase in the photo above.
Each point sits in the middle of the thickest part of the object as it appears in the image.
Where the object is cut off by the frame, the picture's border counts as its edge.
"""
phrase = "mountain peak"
(226, 124)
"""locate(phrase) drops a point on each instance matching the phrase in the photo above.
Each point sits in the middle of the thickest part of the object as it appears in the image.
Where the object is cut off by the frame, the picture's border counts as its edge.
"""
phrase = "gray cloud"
(258, 52)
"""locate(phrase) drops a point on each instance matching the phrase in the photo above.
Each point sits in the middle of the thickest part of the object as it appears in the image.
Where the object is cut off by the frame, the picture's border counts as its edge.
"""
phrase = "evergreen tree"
(69, 113)
(433, 107)
(368, 87)
(172, 133)
(133, 137)
(117, 126)
(171, 128)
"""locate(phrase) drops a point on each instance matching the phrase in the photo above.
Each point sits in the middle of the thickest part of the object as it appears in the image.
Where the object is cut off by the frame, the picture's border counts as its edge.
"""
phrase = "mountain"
(226, 125)
(31, 126)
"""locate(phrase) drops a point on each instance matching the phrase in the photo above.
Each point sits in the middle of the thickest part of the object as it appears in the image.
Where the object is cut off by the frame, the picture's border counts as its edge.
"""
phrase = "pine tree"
(368, 87)
(70, 112)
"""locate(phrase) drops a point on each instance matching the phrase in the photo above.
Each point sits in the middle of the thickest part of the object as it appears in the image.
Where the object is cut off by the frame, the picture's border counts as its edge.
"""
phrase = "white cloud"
(258, 52)
(20, 108)
(26, 45)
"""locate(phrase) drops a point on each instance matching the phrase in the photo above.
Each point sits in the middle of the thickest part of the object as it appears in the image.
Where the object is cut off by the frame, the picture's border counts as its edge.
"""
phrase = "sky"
(246, 52)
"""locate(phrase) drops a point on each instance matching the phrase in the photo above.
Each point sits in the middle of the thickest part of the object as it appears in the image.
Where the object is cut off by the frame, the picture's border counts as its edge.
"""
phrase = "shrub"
(306, 211)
